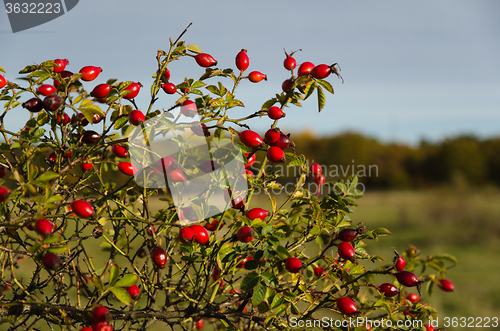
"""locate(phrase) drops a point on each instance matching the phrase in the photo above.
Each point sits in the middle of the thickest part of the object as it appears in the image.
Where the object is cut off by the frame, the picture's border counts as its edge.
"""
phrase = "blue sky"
(412, 70)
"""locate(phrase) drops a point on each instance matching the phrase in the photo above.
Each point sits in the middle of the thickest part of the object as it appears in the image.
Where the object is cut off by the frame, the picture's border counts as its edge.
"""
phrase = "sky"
(413, 70)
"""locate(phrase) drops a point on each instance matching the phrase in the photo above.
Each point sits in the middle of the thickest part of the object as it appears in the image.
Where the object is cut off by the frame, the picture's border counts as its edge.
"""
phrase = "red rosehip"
(82, 208)
(184, 89)
(60, 65)
(84, 166)
(136, 117)
(275, 155)
(399, 263)
(134, 291)
(242, 61)
(257, 213)
(293, 265)
(346, 251)
(3, 81)
(101, 91)
(33, 105)
(250, 138)
(320, 179)
(272, 136)
(119, 151)
(169, 88)
(189, 109)
(245, 234)
(135, 88)
(199, 129)
(96, 118)
(90, 137)
(86, 328)
(250, 160)
(256, 76)
(200, 234)
(176, 175)
(321, 71)
(165, 77)
(413, 297)
(79, 119)
(250, 174)
(64, 120)
(275, 113)
(52, 157)
(446, 285)
(64, 74)
(100, 314)
(283, 141)
(348, 234)
(236, 202)
(165, 164)
(389, 290)
(346, 306)
(51, 102)
(318, 271)
(205, 60)
(127, 168)
(305, 69)
(46, 90)
(43, 227)
(51, 261)
(90, 73)
(159, 256)
(407, 278)
(186, 235)
(102, 326)
(151, 230)
(212, 226)
(241, 263)
(287, 85)
(315, 169)
(289, 63)
(429, 327)
(3, 171)
(199, 324)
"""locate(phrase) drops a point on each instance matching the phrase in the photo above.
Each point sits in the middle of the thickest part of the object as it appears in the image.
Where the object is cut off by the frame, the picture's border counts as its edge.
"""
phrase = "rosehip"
(186, 235)
(90, 73)
(3, 82)
(287, 85)
(51, 261)
(90, 137)
(315, 169)
(250, 138)
(46, 90)
(82, 208)
(159, 256)
(165, 77)
(65, 119)
(64, 74)
(250, 160)
(119, 151)
(320, 180)
(245, 234)
(346, 306)
(3, 171)
(346, 251)
(413, 297)
(256, 76)
(101, 91)
(142, 253)
(293, 265)
(100, 314)
(60, 65)
(86, 328)
(257, 213)
(305, 69)
(200, 234)
(275, 155)
(85, 165)
(348, 234)
(80, 119)
(33, 105)
(43, 227)
(135, 88)
(212, 226)
(96, 118)
(199, 129)
(199, 324)
(134, 291)
(51, 102)
(389, 290)
(127, 168)
(399, 263)
(169, 88)
(102, 326)
(289, 63)
(429, 327)
(205, 60)
(407, 278)
(136, 117)
(52, 157)
(318, 271)
(176, 175)
(446, 285)
(275, 113)
(283, 141)
(242, 61)
(321, 71)
(188, 108)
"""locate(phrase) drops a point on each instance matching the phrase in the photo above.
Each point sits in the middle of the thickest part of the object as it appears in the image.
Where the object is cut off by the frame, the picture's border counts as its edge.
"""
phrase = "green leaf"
(193, 48)
(121, 122)
(294, 309)
(48, 176)
(114, 272)
(122, 295)
(2, 69)
(270, 279)
(321, 99)
(259, 294)
(59, 250)
(127, 280)
(51, 240)
(250, 281)
(198, 84)
(54, 198)
(309, 89)
(269, 103)
(29, 68)
(326, 85)
(381, 231)
(277, 300)
(94, 109)
(283, 252)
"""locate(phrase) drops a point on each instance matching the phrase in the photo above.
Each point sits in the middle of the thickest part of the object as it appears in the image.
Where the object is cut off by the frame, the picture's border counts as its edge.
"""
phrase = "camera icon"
(205, 175)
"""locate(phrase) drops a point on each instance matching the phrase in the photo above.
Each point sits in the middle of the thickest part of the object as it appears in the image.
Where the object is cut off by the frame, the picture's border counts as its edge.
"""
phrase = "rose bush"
(63, 206)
